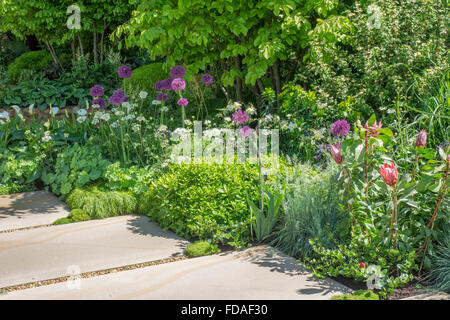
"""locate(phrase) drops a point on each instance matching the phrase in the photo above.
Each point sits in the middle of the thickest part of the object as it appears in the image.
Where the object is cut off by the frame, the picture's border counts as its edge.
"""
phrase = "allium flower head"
(177, 72)
(178, 84)
(207, 79)
(161, 97)
(421, 139)
(246, 132)
(182, 102)
(340, 128)
(125, 72)
(389, 174)
(118, 97)
(100, 102)
(240, 117)
(97, 91)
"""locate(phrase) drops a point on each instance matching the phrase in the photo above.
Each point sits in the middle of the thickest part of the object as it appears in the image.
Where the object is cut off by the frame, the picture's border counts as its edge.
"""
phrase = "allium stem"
(365, 166)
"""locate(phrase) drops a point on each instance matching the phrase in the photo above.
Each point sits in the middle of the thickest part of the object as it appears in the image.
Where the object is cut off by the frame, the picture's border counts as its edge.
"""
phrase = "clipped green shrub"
(99, 203)
(204, 201)
(201, 248)
(63, 221)
(78, 215)
(145, 77)
(30, 62)
(357, 295)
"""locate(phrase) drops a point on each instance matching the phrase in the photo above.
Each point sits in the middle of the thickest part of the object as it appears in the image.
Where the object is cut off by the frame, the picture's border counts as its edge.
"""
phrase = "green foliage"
(145, 77)
(311, 211)
(30, 63)
(18, 172)
(75, 167)
(100, 203)
(378, 63)
(201, 248)
(206, 201)
(76, 215)
(266, 219)
(133, 178)
(357, 295)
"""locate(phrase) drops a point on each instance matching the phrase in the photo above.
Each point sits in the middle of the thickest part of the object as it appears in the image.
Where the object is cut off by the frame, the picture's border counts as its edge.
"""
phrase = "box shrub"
(206, 201)
(201, 248)
(30, 62)
(145, 77)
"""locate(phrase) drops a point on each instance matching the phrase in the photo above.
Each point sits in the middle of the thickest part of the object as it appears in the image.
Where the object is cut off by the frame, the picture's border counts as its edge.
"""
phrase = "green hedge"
(30, 62)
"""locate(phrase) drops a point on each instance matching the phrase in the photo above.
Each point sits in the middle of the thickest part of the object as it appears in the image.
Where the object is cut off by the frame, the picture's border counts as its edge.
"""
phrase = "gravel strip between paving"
(90, 274)
(27, 228)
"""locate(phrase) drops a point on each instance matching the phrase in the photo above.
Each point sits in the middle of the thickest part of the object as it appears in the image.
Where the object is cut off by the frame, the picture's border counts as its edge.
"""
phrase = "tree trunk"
(74, 50)
(32, 43)
(95, 44)
(276, 76)
(298, 62)
(101, 42)
(238, 84)
(81, 47)
(260, 85)
(53, 54)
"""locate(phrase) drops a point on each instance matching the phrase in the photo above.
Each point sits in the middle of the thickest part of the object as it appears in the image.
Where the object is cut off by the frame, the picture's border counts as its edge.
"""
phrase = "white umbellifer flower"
(140, 118)
(162, 128)
(136, 127)
(212, 133)
(237, 105)
(66, 135)
(105, 117)
(207, 122)
(119, 113)
(143, 94)
(81, 119)
(115, 124)
(27, 132)
(251, 110)
(164, 108)
(95, 106)
(321, 105)
(4, 115)
(227, 119)
(156, 102)
(54, 110)
(291, 126)
(187, 122)
(130, 117)
(268, 118)
(47, 136)
(113, 110)
(82, 112)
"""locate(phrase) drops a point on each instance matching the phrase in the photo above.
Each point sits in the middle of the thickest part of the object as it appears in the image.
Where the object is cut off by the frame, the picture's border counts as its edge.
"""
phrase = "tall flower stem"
(365, 166)
(395, 214)
(416, 163)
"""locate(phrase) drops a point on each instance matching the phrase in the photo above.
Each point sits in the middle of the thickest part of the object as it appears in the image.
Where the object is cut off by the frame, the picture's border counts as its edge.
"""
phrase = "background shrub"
(30, 63)
(440, 273)
(201, 248)
(206, 201)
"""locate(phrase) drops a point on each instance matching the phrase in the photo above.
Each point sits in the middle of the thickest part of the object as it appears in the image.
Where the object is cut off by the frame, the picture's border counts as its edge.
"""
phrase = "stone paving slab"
(22, 210)
(257, 273)
(430, 296)
(47, 253)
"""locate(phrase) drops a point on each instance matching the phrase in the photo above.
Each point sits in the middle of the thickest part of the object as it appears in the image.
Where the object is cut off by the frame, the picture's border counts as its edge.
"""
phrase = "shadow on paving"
(142, 225)
(35, 202)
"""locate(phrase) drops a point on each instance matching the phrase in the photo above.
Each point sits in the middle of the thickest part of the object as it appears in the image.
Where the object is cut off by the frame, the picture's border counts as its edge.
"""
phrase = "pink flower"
(335, 152)
(373, 129)
(389, 174)
(362, 265)
(421, 139)
(182, 102)
(246, 132)
(240, 117)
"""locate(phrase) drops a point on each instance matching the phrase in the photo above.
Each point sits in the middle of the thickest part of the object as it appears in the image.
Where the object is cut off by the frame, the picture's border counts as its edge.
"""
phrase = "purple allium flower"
(97, 91)
(340, 127)
(177, 72)
(240, 117)
(178, 84)
(161, 97)
(99, 101)
(158, 85)
(118, 97)
(166, 84)
(182, 102)
(207, 79)
(246, 132)
(125, 72)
